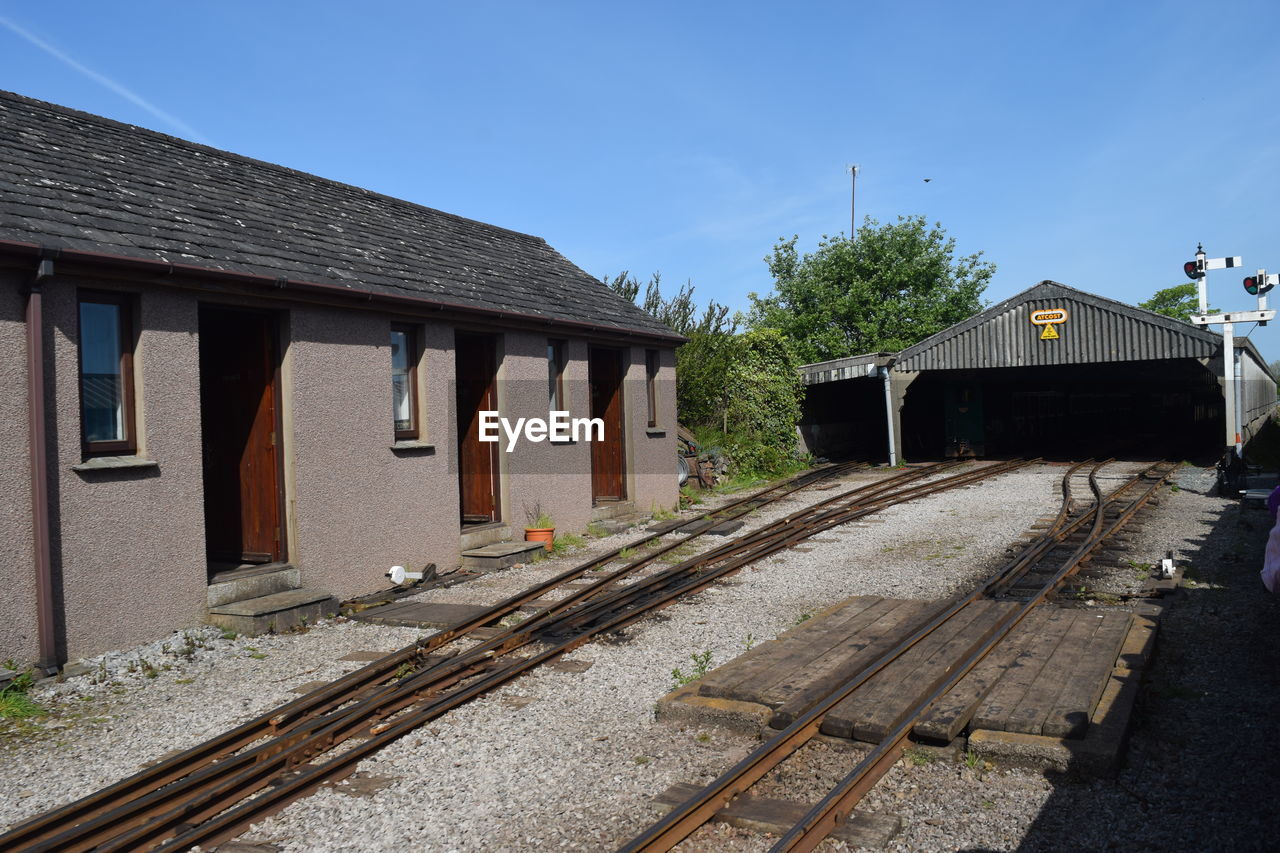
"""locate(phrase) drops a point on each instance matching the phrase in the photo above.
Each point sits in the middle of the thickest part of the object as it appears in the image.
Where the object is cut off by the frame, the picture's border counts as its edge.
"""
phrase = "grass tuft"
(16, 705)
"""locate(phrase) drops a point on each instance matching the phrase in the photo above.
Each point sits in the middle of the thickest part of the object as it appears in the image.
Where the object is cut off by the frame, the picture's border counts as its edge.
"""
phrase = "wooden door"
(239, 423)
(476, 357)
(608, 461)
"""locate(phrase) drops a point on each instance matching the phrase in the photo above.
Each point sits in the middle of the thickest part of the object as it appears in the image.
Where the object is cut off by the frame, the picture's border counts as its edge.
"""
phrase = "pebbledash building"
(220, 368)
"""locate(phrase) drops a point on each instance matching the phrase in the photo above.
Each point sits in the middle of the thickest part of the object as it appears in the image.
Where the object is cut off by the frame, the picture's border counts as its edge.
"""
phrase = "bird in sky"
(927, 180)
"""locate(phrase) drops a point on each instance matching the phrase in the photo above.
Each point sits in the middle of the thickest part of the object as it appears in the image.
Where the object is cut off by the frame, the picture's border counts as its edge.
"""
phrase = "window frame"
(651, 367)
(555, 375)
(412, 355)
(125, 302)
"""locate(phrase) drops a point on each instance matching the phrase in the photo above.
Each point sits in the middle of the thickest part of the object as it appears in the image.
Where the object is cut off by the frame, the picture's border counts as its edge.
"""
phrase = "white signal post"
(1230, 362)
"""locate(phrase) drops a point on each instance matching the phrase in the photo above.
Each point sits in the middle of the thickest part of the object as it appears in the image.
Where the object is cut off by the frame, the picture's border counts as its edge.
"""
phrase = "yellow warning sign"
(1049, 334)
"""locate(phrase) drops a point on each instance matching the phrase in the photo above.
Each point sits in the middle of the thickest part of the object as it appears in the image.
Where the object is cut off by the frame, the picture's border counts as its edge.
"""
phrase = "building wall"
(554, 478)
(19, 637)
(651, 457)
(359, 507)
(1257, 393)
(129, 545)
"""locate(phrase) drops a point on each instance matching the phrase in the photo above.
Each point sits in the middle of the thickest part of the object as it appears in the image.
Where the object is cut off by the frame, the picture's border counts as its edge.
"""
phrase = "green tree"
(895, 285)
(764, 392)
(1178, 302)
(679, 313)
(742, 391)
(703, 362)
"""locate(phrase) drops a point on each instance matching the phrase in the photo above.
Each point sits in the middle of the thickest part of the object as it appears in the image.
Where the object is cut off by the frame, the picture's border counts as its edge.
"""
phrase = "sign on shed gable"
(1052, 324)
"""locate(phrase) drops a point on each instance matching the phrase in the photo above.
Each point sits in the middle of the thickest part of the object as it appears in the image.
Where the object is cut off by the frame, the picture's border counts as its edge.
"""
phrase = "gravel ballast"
(564, 760)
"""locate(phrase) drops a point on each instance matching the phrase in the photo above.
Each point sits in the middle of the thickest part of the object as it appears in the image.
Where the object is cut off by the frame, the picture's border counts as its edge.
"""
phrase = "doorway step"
(623, 510)
(253, 600)
(500, 555)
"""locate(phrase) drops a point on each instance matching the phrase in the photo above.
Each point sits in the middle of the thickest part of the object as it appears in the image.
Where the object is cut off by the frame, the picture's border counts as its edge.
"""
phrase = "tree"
(703, 362)
(743, 390)
(679, 312)
(895, 285)
(1178, 302)
(764, 392)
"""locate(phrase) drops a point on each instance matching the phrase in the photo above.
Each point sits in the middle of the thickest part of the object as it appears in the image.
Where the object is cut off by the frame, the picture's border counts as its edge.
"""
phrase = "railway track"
(1041, 566)
(213, 791)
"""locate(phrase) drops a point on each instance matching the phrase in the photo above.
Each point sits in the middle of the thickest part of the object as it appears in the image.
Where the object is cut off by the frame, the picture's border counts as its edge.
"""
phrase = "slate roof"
(73, 180)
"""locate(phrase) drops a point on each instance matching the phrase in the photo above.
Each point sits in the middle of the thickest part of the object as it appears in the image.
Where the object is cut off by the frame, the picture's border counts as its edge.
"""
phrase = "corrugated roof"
(73, 180)
(1097, 329)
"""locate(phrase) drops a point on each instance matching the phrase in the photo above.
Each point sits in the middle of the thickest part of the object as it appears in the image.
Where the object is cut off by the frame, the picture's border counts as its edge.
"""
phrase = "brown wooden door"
(476, 357)
(608, 482)
(238, 419)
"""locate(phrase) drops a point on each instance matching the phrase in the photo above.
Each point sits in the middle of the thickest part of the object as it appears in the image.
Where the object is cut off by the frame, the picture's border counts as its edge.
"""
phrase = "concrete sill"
(114, 463)
(655, 432)
(421, 446)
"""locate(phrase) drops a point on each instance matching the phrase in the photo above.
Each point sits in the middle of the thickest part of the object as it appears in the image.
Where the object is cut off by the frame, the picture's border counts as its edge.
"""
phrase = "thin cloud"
(185, 129)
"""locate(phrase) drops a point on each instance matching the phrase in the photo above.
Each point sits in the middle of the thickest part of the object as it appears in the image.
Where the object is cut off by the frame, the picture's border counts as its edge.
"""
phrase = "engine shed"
(1052, 371)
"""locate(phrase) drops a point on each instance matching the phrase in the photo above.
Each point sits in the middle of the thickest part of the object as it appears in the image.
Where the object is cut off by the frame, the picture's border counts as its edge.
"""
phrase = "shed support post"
(895, 391)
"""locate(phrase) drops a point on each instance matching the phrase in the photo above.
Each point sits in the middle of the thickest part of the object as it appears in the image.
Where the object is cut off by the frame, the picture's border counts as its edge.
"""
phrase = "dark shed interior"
(1158, 409)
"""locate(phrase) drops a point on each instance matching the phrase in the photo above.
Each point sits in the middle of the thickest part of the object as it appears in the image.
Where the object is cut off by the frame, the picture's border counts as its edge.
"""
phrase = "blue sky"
(1090, 143)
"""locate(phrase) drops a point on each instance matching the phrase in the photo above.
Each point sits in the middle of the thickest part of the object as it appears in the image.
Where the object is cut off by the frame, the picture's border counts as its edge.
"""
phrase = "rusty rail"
(683, 820)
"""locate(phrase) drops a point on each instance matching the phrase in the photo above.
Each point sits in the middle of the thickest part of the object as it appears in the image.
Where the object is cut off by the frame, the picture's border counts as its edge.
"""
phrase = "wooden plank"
(1013, 685)
(1069, 716)
(763, 814)
(796, 648)
(893, 684)
(835, 648)
(1029, 715)
(758, 658)
(946, 718)
(884, 711)
(847, 660)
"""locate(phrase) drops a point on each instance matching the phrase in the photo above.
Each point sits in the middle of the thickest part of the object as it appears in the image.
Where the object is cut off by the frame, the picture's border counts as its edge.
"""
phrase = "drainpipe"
(48, 661)
(888, 413)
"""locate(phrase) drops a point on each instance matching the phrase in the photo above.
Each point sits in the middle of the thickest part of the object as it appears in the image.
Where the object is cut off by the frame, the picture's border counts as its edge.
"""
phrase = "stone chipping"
(563, 760)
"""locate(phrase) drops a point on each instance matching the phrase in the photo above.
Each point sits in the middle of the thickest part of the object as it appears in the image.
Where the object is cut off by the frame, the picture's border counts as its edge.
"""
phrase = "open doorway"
(477, 369)
(608, 460)
(239, 421)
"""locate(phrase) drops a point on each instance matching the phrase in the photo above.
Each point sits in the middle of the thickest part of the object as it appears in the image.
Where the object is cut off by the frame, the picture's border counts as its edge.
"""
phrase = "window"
(651, 383)
(106, 374)
(404, 382)
(555, 376)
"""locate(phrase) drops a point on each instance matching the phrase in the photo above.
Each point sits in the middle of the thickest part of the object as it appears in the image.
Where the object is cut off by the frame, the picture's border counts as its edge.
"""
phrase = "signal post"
(1255, 285)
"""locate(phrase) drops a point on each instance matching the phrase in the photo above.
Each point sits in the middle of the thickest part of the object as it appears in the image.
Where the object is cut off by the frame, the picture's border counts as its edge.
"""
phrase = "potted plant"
(540, 527)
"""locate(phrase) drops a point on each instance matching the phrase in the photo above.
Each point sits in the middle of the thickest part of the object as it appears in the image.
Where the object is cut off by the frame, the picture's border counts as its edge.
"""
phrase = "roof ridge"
(1168, 323)
(199, 146)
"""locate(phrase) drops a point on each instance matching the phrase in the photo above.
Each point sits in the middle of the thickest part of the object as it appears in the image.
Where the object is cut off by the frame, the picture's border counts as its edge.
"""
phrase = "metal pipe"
(890, 414)
(39, 463)
(275, 282)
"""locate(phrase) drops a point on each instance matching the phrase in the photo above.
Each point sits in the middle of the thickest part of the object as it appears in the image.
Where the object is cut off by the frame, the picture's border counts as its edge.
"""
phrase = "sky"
(1094, 144)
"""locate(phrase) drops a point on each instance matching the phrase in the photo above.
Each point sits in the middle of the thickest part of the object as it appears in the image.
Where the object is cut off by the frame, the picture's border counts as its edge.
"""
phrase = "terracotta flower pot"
(545, 535)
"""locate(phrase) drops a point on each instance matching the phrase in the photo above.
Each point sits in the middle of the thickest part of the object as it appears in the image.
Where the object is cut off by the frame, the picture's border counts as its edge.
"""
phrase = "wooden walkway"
(1045, 678)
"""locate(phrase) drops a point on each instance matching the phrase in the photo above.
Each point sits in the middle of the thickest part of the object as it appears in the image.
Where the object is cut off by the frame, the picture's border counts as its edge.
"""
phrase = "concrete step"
(477, 536)
(612, 509)
(252, 582)
(279, 611)
(500, 555)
